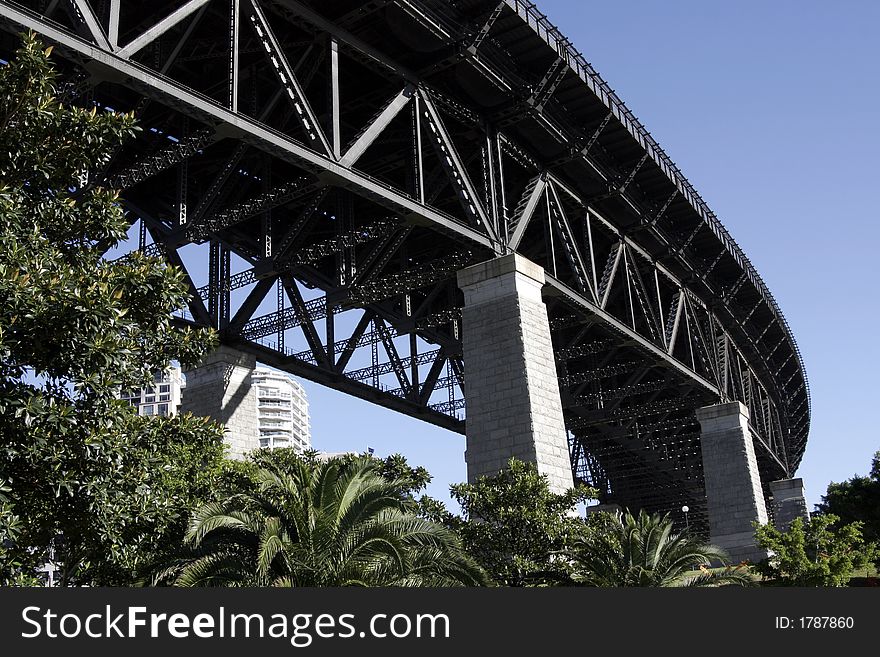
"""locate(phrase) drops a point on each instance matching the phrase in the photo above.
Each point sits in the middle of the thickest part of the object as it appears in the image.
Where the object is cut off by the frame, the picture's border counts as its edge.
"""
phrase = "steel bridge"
(335, 163)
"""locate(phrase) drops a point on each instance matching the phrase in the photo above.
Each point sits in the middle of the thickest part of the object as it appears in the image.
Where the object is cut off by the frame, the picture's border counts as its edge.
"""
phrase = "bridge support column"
(511, 388)
(789, 502)
(220, 388)
(733, 485)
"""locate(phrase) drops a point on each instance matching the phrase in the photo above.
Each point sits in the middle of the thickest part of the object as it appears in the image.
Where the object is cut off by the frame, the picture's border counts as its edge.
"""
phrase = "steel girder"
(353, 156)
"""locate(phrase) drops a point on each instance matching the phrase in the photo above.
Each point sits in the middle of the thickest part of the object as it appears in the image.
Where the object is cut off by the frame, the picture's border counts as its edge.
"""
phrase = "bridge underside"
(321, 171)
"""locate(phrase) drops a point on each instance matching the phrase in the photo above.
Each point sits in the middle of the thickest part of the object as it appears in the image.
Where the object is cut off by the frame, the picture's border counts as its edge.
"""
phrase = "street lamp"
(685, 509)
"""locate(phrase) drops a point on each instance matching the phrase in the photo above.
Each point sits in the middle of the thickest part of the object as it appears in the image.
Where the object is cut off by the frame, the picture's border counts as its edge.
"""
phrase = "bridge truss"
(333, 164)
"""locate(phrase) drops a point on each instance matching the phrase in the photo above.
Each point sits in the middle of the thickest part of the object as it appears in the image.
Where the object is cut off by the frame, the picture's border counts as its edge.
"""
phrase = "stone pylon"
(511, 387)
(789, 502)
(220, 388)
(733, 484)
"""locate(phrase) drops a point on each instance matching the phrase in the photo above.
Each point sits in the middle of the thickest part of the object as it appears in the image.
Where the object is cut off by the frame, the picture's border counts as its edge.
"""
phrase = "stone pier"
(789, 502)
(511, 388)
(220, 388)
(733, 485)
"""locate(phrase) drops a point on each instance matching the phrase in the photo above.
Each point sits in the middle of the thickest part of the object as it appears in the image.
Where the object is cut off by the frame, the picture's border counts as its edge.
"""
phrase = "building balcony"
(275, 413)
(274, 441)
(266, 429)
(274, 404)
(270, 393)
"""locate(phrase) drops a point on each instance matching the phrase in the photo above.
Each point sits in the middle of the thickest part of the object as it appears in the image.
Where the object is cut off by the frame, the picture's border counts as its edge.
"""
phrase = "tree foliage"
(310, 522)
(83, 471)
(627, 550)
(13, 572)
(514, 526)
(813, 553)
(395, 468)
(856, 499)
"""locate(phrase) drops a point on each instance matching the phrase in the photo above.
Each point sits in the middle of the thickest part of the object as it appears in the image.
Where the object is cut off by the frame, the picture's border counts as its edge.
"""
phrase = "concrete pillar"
(220, 388)
(733, 485)
(511, 388)
(789, 502)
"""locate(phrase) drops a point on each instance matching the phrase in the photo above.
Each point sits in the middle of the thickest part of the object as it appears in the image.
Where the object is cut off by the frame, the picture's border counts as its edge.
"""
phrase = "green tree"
(856, 499)
(626, 550)
(12, 573)
(319, 523)
(514, 526)
(813, 553)
(83, 471)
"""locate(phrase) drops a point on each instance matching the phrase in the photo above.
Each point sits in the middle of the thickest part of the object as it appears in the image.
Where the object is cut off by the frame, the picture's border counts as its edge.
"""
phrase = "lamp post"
(685, 509)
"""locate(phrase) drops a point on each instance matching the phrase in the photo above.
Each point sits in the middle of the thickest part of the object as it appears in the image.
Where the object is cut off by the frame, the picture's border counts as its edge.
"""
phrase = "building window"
(164, 398)
(149, 409)
(163, 409)
(150, 398)
(165, 387)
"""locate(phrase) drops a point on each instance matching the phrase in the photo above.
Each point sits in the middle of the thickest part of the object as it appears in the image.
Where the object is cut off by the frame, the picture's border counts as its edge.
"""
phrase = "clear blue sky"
(771, 110)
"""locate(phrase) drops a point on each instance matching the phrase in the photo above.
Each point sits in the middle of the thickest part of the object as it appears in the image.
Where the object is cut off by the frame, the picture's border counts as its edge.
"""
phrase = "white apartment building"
(282, 411)
(162, 397)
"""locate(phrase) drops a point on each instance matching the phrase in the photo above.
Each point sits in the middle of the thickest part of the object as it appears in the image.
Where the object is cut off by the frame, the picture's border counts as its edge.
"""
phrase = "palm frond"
(313, 523)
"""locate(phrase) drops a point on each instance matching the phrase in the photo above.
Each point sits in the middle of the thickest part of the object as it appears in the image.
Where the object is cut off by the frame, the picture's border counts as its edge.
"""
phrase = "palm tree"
(313, 523)
(644, 551)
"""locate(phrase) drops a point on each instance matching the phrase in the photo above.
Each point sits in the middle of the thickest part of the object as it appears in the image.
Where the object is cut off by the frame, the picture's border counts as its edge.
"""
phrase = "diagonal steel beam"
(452, 163)
(548, 84)
(352, 343)
(605, 285)
(572, 251)
(671, 333)
(160, 28)
(158, 230)
(308, 327)
(181, 42)
(294, 234)
(538, 186)
(702, 342)
(289, 81)
(376, 259)
(210, 196)
(393, 356)
(652, 221)
(249, 305)
(487, 26)
(643, 297)
(372, 131)
(432, 378)
(85, 13)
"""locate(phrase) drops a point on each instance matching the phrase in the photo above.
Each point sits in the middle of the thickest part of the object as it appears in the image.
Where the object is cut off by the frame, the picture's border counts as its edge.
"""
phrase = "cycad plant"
(320, 523)
(644, 550)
